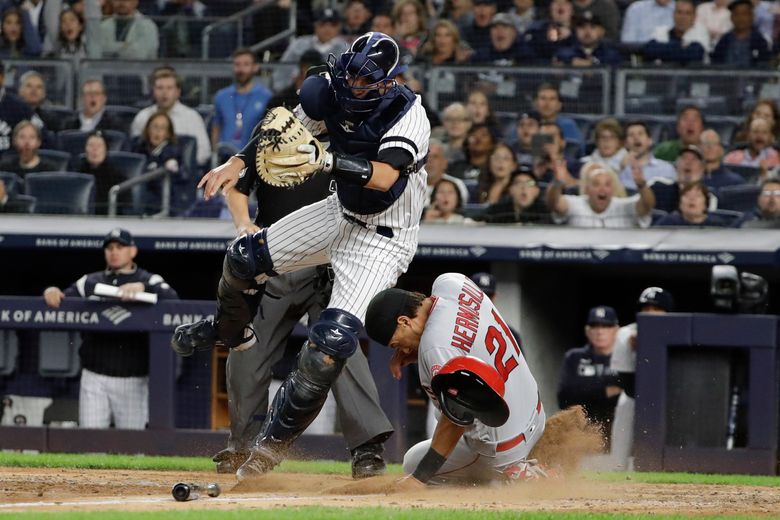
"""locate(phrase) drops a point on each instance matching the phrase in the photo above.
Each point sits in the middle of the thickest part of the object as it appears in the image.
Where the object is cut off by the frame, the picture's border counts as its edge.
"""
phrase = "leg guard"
(248, 256)
(236, 307)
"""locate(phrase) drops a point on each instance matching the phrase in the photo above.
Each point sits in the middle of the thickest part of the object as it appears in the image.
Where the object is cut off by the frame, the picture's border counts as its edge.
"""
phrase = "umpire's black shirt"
(584, 378)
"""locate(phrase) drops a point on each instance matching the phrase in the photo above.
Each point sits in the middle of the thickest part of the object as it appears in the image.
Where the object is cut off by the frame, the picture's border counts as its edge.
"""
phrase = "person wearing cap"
(586, 376)
(639, 144)
(12, 112)
(606, 11)
(288, 97)
(326, 40)
(717, 174)
(547, 35)
(504, 47)
(472, 368)
(528, 125)
(689, 169)
(590, 49)
(685, 42)
(692, 209)
(523, 205)
(114, 366)
(477, 33)
(744, 46)
(240, 106)
(653, 300)
(642, 17)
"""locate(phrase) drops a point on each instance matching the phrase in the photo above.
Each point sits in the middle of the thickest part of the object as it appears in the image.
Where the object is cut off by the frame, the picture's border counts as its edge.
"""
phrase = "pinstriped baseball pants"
(124, 398)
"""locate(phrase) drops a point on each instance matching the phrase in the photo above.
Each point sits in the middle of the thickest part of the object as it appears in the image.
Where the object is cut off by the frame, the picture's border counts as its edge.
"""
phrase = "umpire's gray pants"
(287, 298)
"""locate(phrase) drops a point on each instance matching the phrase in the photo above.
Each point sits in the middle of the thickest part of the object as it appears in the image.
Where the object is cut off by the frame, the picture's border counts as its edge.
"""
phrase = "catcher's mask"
(373, 56)
(469, 389)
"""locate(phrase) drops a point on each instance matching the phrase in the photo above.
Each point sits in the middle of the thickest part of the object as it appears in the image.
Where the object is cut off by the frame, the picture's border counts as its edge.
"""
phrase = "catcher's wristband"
(354, 170)
(429, 465)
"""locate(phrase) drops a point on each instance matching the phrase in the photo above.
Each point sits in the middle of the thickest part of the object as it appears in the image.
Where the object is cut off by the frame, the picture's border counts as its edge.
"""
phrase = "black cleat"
(229, 460)
(367, 460)
(187, 338)
(262, 459)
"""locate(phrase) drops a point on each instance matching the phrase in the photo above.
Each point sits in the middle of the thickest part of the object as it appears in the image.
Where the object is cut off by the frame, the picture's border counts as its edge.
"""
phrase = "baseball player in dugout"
(378, 142)
(472, 368)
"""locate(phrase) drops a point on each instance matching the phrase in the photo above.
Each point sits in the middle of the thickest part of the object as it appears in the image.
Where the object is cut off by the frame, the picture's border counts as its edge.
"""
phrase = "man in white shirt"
(166, 90)
(684, 42)
(639, 145)
(598, 207)
(642, 18)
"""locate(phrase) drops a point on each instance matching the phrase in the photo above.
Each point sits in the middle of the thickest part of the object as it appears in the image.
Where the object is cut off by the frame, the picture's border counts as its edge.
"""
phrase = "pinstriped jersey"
(464, 322)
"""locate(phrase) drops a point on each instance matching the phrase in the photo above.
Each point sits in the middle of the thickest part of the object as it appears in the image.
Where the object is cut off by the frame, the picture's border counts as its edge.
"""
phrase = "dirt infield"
(42, 489)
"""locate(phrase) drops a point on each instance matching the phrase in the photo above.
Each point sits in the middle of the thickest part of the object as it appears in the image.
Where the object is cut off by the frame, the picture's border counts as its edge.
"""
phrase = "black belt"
(380, 230)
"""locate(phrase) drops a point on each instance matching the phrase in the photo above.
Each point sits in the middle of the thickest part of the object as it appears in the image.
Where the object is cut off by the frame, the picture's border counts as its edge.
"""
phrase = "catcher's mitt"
(287, 153)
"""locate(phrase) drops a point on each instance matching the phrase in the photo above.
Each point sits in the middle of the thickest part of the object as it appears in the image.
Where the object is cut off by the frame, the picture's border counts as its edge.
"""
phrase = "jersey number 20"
(496, 342)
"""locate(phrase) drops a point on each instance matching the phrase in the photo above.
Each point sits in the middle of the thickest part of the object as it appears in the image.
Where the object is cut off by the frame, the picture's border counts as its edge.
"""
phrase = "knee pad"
(236, 309)
(248, 256)
(336, 333)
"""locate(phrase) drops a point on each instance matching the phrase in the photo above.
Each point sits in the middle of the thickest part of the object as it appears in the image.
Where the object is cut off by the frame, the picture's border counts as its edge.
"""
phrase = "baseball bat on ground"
(183, 492)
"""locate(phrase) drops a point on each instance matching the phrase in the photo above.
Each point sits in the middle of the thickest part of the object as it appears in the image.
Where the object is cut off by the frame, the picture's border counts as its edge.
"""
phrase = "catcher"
(472, 368)
(378, 133)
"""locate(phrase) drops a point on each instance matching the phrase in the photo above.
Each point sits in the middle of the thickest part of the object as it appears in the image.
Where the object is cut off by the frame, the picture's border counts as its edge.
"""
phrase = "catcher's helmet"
(468, 388)
(374, 56)
(656, 296)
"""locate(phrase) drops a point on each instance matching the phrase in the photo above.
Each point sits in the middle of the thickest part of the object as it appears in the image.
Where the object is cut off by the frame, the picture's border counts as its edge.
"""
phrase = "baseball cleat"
(228, 460)
(367, 460)
(262, 459)
(187, 338)
(528, 470)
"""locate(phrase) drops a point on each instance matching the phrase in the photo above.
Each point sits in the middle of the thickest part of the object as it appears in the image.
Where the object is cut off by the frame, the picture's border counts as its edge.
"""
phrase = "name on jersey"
(467, 319)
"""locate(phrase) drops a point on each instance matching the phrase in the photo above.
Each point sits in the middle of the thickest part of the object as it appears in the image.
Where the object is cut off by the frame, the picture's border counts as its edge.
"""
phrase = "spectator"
(158, 143)
(523, 204)
(73, 37)
(239, 107)
(684, 43)
(12, 112)
(643, 17)
(548, 103)
(191, 8)
(457, 122)
(115, 366)
(410, 22)
(357, 19)
(764, 18)
(606, 11)
(18, 37)
(690, 123)
(653, 300)
(759, 152)
(692, 210)
(504, 47)
(478, 146)
(288, 97)
(586, 377)
(326, 40)
(689, 169)
(767, 212)
(639, 145)
(128, 34)
(26, 142)
(590, 49)
(601, 203)
(446, 205)
(527, 127)
(744, 46)
(32, 90)
(95, 162)
(552, 162)
(444, 46)
(716, 174)
(477, 32)
(177, 30)
(715, 17)
(93, 115)
(436, 167)
(764, 109)
(382, 22)
(493, 185)
(523, 14)
(480, 111)
(166, 90)
(609, 145)
(545, 37)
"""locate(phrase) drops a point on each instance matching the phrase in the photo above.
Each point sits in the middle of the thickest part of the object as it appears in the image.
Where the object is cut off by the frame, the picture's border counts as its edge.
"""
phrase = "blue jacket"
(604, 54)
(673, 51)
(584, 378)
(759, 50)
(676, 219)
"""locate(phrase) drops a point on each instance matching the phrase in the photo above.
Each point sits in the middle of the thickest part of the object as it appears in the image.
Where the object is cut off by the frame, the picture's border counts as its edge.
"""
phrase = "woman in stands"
(71, 39)
(455, 126)
(18, 37)
(494, 183)
(446, 205)
(158, 143)
(609, 145)
(444, 46)
(95, 162)
(764, 109)
(26, 139)
(694, 201)
(480, 110)
(411, 24)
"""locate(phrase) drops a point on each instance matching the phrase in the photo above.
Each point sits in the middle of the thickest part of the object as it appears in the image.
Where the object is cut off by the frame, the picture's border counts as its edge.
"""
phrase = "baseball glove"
(287, 153)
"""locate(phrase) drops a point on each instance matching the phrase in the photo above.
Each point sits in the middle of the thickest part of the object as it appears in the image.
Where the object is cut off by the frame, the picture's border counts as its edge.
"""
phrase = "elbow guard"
(354, 170)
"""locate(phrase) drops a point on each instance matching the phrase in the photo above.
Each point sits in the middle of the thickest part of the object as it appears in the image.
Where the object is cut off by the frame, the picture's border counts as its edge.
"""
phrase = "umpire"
(288, 297)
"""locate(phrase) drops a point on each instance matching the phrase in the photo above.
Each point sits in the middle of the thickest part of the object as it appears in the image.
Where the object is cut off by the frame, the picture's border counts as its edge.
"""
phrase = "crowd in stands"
(548, 167)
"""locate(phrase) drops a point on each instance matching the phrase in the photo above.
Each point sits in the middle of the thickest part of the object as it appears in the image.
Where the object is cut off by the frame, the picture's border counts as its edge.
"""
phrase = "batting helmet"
(657, 297)
(468, 389)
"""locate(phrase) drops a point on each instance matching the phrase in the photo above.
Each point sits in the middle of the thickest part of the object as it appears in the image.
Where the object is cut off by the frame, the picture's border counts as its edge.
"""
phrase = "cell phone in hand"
(538, 143)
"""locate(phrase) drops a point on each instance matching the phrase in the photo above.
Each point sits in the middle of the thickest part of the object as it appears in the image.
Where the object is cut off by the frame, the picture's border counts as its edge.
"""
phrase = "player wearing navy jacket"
(367, 230)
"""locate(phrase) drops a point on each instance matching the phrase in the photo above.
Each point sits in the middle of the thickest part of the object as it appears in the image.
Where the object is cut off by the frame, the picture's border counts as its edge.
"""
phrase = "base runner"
(472, 368)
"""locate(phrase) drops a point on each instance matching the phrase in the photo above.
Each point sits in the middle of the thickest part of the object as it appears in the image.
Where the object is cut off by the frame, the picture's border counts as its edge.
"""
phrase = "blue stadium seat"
(131, 165)
(644, 105)
(9, 351)
(734, 218)
(475, 210)
(738, 198)
(750, 173)
(58, 354)
(13, 183)
(712, 105)
(21, 204)
(60, 159)
(59, 114)
(125, 114)
(74, 141)
(61, 192)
